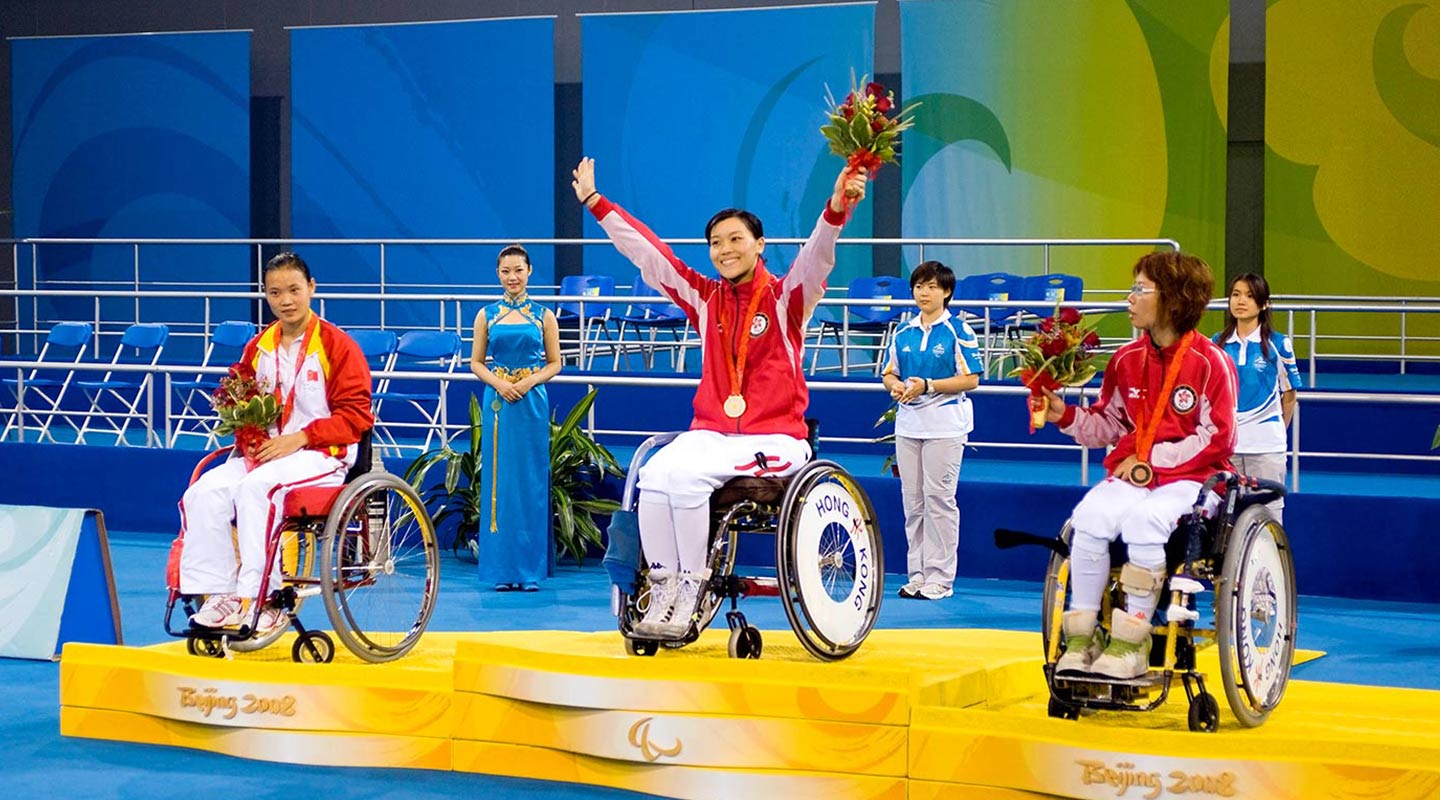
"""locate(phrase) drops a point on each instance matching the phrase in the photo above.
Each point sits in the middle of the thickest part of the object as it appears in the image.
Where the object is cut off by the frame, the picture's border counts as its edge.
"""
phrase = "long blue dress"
(514, 533)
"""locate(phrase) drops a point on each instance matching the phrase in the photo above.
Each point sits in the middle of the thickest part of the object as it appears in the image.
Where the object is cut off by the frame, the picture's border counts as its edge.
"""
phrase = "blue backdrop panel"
(441, 130)
(58, 587)
(134, 137)
(681, 127)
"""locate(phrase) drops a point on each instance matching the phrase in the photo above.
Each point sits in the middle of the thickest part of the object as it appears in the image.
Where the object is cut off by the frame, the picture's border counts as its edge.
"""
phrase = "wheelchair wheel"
(830, 560)
(207, 648)
(297, 560)
(1255, 615)
(745, 642)
(379, 567)
(1052, 606)
(313, 647)
(1204, 715)
(641, 647)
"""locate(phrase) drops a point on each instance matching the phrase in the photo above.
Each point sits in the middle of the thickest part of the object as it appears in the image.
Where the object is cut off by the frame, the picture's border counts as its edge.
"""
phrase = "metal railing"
(448, 430)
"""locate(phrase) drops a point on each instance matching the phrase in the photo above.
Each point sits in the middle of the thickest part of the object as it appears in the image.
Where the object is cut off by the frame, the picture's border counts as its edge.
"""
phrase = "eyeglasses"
(1140, 291)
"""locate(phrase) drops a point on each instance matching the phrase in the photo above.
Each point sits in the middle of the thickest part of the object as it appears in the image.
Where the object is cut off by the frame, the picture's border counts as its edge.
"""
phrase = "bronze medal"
(1141, 473)
(734, 406)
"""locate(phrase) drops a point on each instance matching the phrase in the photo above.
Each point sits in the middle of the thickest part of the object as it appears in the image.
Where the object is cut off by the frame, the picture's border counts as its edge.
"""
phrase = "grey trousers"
(1270, 466)
(929, 471)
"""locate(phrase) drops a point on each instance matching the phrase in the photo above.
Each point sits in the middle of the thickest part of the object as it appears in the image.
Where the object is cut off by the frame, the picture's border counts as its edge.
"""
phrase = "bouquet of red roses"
(1061, 352)
(865, 129)
(247, 409)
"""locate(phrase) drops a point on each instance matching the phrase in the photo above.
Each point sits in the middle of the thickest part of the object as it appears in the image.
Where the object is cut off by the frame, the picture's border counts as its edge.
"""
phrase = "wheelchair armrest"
(642, 453)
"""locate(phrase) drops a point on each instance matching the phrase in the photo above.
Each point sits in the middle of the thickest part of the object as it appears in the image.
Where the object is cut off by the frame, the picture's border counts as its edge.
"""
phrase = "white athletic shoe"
(663, 585)
(1128, 653)
(1083, 642)
(219, 611)
(935, 591)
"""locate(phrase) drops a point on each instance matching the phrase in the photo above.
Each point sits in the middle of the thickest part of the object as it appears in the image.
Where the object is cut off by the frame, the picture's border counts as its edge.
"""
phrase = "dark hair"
(751, 221)
(935, 271)
(1185, 286)
(1260, 293)
(286, 260)
(513, 250)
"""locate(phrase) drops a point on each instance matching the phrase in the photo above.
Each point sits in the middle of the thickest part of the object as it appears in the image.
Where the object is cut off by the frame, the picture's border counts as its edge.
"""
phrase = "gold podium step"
(914, 714)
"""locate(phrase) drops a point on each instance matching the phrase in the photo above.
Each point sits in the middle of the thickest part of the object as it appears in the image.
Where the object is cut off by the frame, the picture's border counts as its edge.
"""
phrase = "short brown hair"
(1185, 286)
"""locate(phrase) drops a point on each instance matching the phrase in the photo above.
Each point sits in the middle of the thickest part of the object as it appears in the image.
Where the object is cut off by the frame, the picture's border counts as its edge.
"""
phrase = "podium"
(56, 583)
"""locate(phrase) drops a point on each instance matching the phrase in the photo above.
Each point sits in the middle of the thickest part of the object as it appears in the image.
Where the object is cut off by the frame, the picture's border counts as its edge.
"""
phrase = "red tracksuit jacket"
(774, 385)
(1196, 436)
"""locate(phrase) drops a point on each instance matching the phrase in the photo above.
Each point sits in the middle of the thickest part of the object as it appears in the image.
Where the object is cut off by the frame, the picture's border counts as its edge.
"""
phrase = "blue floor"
(1395, 644)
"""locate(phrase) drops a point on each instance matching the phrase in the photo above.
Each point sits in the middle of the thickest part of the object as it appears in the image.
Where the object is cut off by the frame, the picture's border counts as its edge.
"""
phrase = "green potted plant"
(578, 464)
(451, 495)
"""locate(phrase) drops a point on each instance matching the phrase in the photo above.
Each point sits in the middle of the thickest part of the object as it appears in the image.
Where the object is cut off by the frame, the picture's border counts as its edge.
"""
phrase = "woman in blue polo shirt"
(1265, 361)
(933, 361)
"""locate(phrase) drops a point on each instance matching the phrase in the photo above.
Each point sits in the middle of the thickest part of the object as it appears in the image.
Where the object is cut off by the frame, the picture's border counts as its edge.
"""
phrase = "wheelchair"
(830, 563)
(366, 548)
(1243, 556)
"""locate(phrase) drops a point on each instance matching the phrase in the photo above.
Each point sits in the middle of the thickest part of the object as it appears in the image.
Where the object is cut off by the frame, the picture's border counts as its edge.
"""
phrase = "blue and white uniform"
(1260, 423)
(1260, 418)
(930, 436)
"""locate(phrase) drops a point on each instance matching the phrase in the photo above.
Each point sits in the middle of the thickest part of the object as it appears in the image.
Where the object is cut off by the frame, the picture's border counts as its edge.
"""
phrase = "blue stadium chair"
(141, 343)
(40, 392)
(591, 322)
(419, 351)
(1048, 290)
(227, 342)
(989, 322)
(875, 322)
(652, 318)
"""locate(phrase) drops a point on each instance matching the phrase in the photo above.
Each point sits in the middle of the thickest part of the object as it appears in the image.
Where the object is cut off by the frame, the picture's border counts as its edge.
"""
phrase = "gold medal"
(734, 406)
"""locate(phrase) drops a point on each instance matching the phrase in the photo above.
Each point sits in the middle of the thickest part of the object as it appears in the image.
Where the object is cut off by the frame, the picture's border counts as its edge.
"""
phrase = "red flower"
(1048, 324)
(1092, 339)
(877, 124)
(848, 109)
(1069, 316)
(1053, 347)
(883, 104)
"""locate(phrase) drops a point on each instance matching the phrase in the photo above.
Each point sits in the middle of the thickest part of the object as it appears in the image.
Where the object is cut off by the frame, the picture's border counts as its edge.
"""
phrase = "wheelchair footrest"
(1150, 679)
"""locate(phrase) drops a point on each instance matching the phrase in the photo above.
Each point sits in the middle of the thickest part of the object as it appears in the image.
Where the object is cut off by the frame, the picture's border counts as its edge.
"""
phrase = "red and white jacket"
(332, 386)
(774, 385)
(1196, 436)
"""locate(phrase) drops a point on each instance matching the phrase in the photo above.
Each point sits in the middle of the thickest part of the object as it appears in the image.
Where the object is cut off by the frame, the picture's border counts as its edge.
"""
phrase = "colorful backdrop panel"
(132, 137)
(687, 113)
(1103, 119)
(442, 130)
(1352, 135)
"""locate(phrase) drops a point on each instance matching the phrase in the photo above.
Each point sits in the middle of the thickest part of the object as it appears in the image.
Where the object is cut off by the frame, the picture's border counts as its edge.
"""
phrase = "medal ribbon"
(735, 362)
(1149, 415)
(287, 400)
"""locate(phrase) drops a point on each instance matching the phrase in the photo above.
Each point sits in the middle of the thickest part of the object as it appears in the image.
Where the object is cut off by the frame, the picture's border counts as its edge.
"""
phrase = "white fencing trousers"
(683, 474)
(1143, 518)
(929, 472)
(255, 500)
(1271, 467)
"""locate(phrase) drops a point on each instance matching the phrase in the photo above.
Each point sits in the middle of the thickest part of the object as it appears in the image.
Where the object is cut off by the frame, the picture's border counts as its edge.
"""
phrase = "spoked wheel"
(208, 648)
(830, 560)
(1255, 615)
(1052, 606)
(313, 647)
(298, 559)
(1204, 713)
(379, 567)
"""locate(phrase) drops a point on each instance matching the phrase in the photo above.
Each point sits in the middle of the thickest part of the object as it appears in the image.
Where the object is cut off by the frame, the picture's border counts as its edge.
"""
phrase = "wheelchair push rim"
(379, 567)
(1256, 616)
(830, 561)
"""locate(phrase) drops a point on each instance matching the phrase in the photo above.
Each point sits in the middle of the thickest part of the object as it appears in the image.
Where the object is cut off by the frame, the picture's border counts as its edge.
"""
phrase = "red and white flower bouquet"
(247, 408)
(1062, 352)
(865, 128)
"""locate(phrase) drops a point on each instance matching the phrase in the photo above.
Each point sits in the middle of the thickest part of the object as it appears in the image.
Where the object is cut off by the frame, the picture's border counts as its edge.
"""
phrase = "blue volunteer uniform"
(1260, 426)
(948, 348)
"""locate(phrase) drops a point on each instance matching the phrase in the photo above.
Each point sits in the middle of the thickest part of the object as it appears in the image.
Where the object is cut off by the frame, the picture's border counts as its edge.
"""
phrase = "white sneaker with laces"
(270, 619)
(662, 599)
(219, 611)
(911, 590)
(687, 600)
(934, 591)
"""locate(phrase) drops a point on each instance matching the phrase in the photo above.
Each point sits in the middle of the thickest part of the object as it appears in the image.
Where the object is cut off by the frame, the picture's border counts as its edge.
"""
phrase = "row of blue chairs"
(120, 398)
